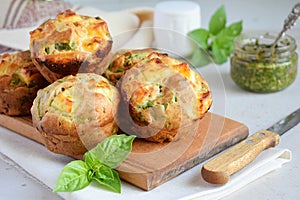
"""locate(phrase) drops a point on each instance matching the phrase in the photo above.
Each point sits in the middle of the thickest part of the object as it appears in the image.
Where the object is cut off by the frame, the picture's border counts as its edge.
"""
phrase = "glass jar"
(257, 67)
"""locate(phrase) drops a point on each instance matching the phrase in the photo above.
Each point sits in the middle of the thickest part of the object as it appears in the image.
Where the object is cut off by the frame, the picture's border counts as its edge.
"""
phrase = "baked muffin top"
(21, 69)
(126, 59)
(162, 94)
(75, 113)
(165, 82)
(68, 95)
(67, 36)
(153, 70)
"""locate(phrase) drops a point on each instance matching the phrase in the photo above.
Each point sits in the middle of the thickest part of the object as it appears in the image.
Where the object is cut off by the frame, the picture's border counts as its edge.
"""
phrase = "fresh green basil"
(200, 57)
(219, 54)
(90, 159)
(109, 178)
(97, 165)
(200, 36)
(103, 174)
(74, 176)
(216, 43)
(217, 21)
(233, 29)
(114, 150)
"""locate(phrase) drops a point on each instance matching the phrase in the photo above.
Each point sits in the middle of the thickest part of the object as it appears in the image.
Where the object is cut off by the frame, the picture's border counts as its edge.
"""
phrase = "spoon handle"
(289, 22)
(292, 17)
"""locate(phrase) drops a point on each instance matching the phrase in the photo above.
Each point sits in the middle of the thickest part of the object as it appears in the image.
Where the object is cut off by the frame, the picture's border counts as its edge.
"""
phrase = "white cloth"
(268, 161)
(46, 166)
(125, 27)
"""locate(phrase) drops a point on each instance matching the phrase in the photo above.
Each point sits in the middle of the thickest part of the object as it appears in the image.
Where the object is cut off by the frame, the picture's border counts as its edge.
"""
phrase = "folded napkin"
(20, 17)
(269, 160)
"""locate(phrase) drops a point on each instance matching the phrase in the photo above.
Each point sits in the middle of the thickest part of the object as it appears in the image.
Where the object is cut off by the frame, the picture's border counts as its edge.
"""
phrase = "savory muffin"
(19, 82)
(70, 43)
(126, 59)
(75, 113)
(161, 95)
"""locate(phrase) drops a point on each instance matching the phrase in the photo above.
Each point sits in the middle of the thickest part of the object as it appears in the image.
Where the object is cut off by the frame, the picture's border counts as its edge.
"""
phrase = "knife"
(219, 169)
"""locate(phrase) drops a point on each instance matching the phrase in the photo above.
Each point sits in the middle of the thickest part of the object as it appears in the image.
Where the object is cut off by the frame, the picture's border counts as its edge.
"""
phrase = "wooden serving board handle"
(219, 169)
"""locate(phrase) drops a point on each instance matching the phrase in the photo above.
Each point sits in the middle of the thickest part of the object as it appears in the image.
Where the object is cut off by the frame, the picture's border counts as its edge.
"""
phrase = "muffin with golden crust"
(69, 43)
(19, 82)
(126, 59)
(75, 113)
(161, 95)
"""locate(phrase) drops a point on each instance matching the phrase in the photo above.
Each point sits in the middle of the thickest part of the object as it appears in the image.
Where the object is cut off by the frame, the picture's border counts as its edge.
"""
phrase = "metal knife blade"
(286, 123)
(219, 169)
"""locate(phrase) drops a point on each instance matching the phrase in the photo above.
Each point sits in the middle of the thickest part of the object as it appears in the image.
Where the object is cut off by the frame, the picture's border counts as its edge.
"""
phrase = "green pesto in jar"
(257, 67)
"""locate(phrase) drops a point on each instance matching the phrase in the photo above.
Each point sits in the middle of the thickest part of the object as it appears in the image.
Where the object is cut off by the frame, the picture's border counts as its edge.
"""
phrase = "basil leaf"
(200, 36)
(101, 169)
(234, 29)
(219, 54)
(200, 58)
(108, 177)
(74, 176)
(218, 40)
(228, 34)
(113, 150)
(90, 159)
(97, 166)
(103, 172)
(217, 21)
(225, 43)
(225, 39)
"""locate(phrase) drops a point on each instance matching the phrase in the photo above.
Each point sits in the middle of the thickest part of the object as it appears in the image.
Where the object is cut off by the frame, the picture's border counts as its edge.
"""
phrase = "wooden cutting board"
(151, 164)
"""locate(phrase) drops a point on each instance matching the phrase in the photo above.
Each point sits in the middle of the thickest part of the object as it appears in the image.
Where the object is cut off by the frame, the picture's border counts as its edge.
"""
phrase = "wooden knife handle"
(219, 169)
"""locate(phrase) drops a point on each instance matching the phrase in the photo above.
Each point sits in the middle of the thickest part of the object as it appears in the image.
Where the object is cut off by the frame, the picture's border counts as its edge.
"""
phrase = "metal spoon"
(289, 22)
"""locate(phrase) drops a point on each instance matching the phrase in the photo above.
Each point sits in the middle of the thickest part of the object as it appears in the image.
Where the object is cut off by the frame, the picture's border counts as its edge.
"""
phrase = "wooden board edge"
(22, 126)
(155, 179)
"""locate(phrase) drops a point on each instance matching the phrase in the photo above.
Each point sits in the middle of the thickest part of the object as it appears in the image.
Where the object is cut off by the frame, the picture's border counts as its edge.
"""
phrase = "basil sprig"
(217, 42)
(98, 164)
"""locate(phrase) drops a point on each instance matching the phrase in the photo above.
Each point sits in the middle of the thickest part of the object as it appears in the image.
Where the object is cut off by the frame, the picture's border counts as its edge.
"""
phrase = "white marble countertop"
(257, 111)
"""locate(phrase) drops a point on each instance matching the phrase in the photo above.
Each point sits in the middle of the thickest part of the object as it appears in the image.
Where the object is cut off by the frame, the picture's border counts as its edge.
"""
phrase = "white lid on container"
(172, 21)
